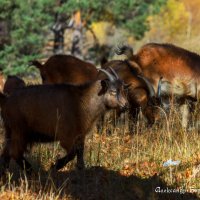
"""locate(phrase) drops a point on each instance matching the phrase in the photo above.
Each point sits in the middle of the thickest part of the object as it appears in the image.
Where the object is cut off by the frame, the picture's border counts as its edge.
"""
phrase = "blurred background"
(90, 29)
(126, 165)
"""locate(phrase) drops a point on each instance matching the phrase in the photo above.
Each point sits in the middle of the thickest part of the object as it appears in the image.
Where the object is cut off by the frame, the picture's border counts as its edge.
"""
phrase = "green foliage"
(132, 14)
(29, 20)
(128, 14)
(28, 23)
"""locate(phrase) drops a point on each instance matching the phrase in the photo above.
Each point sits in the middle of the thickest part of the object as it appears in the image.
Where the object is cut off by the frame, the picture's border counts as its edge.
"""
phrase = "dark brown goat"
(66, 69)
(61, 112)
(141, 94)
(12, 83)
(179, 68)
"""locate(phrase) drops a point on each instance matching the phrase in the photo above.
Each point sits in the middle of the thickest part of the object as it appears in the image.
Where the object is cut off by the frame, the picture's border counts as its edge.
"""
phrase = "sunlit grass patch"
(120, 164)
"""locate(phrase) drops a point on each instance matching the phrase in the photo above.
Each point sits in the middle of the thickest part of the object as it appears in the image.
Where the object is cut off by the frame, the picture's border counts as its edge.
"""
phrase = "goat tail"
(131, 58)
(125, 50)
(2, 99)
(35, 63)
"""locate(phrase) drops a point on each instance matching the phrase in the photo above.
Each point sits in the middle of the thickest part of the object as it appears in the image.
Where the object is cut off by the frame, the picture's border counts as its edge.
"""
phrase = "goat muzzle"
(124, 107)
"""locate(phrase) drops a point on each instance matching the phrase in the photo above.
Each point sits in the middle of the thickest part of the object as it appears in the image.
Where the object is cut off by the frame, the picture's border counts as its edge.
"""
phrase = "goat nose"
(124, 107)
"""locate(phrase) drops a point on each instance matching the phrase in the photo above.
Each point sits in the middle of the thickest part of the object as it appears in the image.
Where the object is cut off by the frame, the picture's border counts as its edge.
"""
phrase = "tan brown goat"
(179, 68)
(61, 112)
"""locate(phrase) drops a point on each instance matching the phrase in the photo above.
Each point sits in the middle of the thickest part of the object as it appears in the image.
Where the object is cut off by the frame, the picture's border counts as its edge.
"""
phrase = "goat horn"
(159, 87)
(149, 86)
(114, 73)
(110, 76)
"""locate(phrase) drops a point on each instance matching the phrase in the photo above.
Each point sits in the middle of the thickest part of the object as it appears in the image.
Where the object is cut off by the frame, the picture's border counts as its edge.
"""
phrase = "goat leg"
(60, 163)
(80, 151)
(4, 160)
(24, 164)
(4, 164)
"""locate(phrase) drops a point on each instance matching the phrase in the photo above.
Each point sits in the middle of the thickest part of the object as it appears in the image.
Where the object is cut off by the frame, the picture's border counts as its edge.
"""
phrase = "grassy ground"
(121, 164)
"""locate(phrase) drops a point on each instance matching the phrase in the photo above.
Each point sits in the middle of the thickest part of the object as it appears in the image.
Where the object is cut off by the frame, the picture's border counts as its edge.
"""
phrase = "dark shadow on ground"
(99, 183)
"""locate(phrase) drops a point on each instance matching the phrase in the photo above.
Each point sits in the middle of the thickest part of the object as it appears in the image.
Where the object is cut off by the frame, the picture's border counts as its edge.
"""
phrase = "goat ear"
(104, 87)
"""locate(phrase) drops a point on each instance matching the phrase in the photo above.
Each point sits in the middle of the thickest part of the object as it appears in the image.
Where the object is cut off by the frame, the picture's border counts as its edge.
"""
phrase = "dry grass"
(120, 165)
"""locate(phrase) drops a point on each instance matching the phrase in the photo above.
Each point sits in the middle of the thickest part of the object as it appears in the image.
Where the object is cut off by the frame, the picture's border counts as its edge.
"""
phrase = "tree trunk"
(77, 38)
(59, 29)
(58, 37)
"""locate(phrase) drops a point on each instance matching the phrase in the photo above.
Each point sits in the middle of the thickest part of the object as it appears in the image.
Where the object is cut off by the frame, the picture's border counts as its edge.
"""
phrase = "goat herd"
(74, 94)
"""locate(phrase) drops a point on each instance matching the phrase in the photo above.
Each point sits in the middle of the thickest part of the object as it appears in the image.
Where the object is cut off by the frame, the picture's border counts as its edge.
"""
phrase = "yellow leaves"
(101, 30)
(175, 17)
(178, 22)
(193, 8)
(188, 173)
(127, 170)
(77, 18)
(148, 168)
(143, 169)
(171, 22)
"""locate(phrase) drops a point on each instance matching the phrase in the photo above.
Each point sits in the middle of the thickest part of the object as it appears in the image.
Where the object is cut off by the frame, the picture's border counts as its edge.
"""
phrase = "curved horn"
(114, 73)
(110, 76)
(159, 87)
(149, 86)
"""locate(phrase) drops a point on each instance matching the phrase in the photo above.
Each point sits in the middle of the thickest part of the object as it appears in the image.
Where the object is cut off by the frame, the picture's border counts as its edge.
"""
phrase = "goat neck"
(92, 104)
